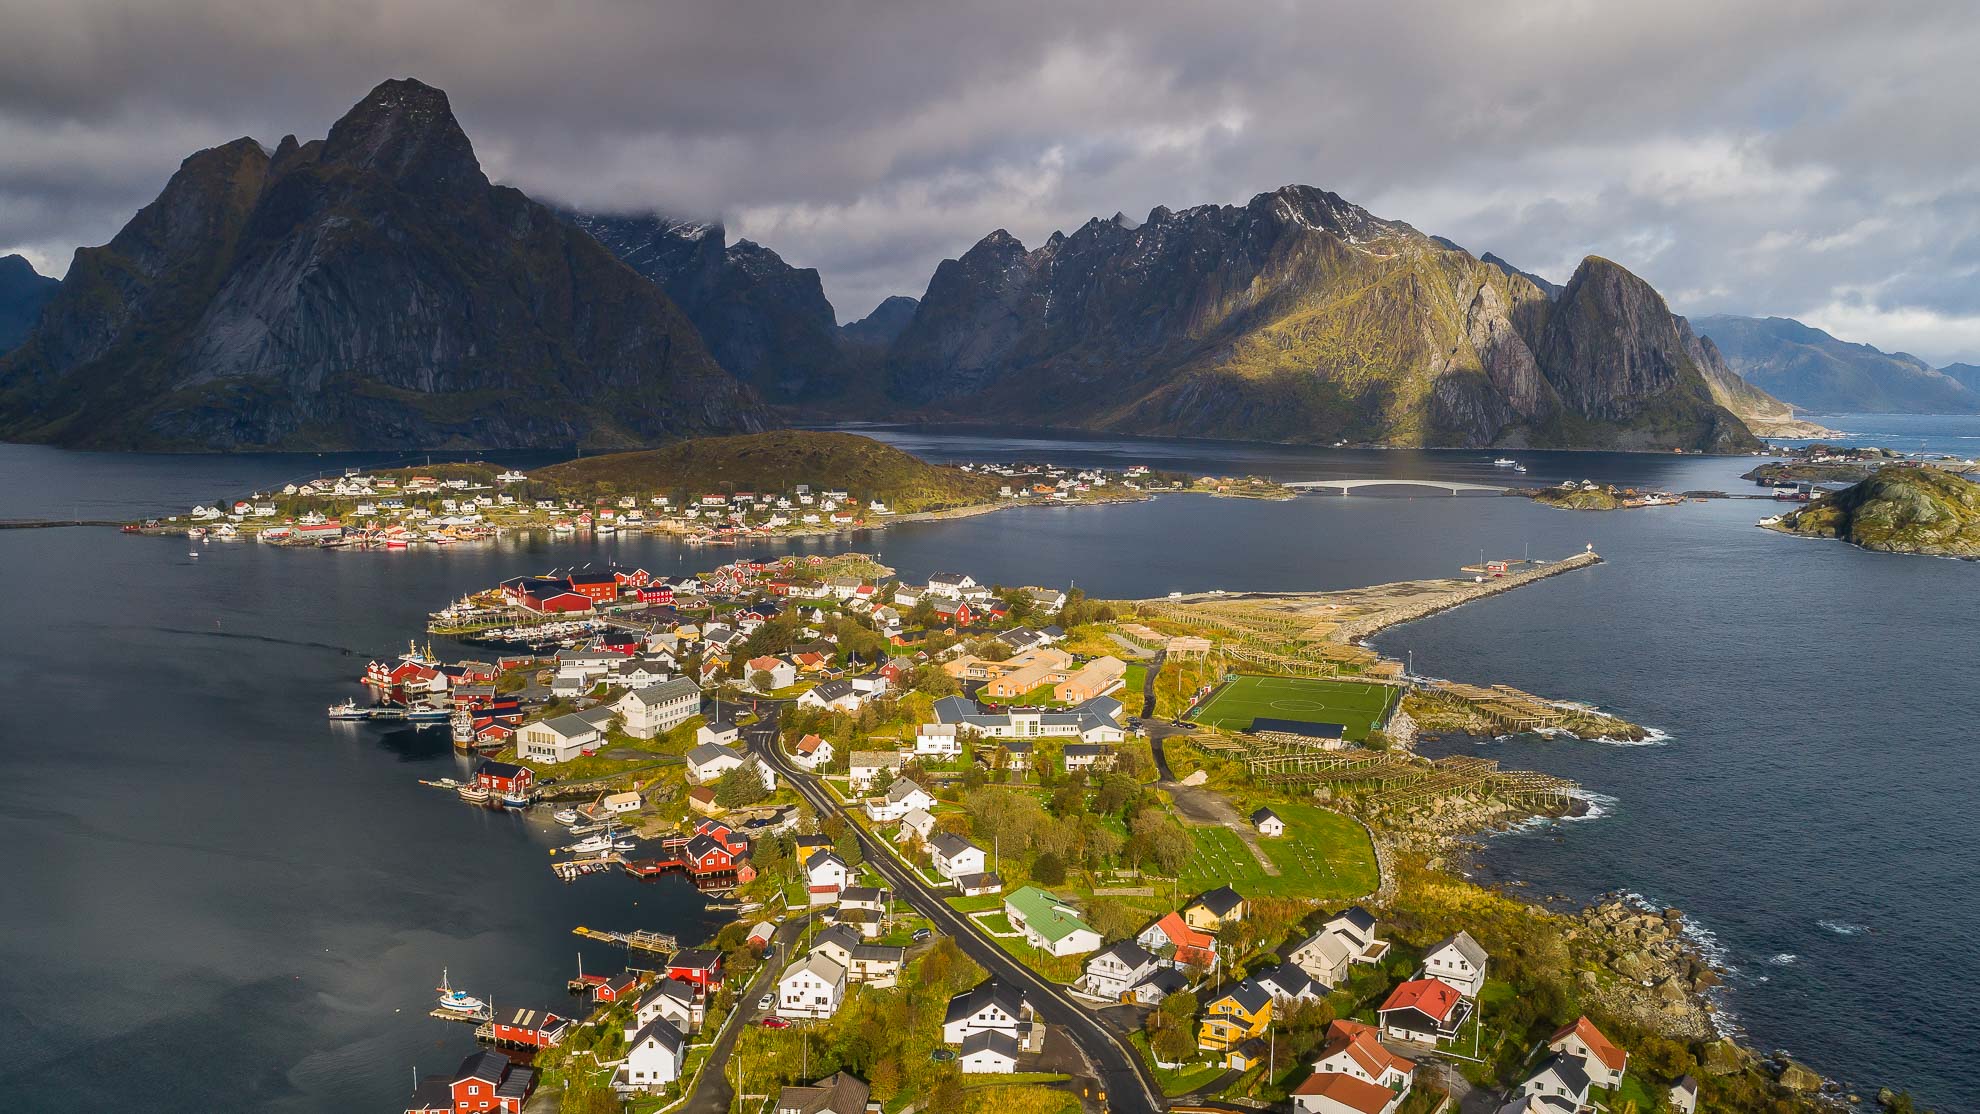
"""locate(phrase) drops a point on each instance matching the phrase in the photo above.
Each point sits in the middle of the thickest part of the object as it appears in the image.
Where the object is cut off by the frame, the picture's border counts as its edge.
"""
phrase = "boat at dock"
(457, 1001)
(516, 800)
(474, 794)
(441, 783)
(425, 714)
(565, 816)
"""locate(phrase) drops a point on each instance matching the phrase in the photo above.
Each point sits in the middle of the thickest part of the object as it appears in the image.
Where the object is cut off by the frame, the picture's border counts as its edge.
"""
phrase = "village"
(445, 504)
(1078, 832)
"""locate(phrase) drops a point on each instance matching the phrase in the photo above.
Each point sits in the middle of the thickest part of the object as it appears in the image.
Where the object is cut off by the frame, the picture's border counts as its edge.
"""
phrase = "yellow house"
(807, 846)
(1215, 909)
(1239, 1013)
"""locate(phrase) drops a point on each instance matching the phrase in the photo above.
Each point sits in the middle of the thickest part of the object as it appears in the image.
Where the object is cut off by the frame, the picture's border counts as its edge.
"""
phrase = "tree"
(1048, 869)
(761, 680)
(1171, 1028)
(740, 788)
(886, 1082)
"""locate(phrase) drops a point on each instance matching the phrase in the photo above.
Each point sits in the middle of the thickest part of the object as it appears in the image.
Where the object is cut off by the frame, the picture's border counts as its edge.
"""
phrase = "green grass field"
(1358, 706)
(1323, 856)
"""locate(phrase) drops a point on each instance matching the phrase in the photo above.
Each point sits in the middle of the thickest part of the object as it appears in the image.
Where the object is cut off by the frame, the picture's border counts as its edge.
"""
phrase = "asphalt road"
(1129, 1086)
(712, 1093)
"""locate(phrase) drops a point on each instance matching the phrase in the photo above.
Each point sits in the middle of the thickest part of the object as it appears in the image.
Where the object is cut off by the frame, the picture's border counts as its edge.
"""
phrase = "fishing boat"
(457, 1001)
(473, 794)
(349, 710)
(515, 799)
(566, 816)
(591, 845)
(427, 714)
(1502, 462)
(1519, 467)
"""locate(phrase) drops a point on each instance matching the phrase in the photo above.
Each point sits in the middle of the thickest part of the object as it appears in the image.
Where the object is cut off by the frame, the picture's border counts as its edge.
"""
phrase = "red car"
(775, 1023)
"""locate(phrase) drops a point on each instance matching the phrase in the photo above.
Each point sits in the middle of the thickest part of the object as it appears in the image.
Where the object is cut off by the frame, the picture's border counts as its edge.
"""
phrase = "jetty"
(638, 939)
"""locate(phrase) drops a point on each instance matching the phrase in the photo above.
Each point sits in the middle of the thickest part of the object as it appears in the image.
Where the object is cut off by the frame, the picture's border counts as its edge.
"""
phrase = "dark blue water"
(230, 898)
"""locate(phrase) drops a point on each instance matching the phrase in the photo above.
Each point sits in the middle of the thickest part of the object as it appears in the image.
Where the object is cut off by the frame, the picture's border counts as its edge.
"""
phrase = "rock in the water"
(1799, 1079)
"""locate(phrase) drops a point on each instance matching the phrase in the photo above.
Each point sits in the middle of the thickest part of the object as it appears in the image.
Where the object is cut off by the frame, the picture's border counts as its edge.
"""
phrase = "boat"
(426, 714)
(196, 533)
(604, 841)
(473, 794)
(193, 553)
(1502, 462)
(349, 710)
(1519, 467)
(515, 800)
(457, 1001)
(566, 816)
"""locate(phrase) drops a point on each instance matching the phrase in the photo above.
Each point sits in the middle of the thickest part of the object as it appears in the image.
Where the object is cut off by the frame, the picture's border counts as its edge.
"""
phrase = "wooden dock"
(638, 939)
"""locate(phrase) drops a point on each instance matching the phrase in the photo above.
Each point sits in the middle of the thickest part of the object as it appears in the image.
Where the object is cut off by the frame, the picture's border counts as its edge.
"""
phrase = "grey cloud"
(1804, 157)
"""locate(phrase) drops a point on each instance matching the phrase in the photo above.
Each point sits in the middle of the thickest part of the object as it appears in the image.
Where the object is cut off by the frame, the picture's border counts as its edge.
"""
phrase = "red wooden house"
(598, 587)
(655, 593)
(486, 1081)
(708, 856)
(504, 777)
(700, 968)
(532, 1028)
(637, 578)
(616, 988)
(492, 731)
(477, 672)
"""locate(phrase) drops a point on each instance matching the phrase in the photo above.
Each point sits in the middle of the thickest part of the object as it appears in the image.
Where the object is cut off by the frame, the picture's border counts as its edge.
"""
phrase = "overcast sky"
(1809, 158)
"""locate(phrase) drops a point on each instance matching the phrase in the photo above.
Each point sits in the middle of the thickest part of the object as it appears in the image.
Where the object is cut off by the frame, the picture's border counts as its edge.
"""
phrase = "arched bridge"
(1348, 487)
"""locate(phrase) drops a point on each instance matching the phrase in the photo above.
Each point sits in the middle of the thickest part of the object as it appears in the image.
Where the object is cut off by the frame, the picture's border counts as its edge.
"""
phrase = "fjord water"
(219, 897)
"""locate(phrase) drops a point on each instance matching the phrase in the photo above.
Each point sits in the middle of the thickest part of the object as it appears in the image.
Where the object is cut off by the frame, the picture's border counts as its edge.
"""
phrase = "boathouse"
(504, 777)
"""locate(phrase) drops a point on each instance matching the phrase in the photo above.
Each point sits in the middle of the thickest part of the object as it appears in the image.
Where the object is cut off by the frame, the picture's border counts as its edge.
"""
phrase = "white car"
(767, 1001)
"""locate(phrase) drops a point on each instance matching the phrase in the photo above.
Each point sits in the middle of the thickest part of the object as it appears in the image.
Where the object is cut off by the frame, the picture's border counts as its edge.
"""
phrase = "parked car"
(774, 1022)
(921, 934)
(767, 1001)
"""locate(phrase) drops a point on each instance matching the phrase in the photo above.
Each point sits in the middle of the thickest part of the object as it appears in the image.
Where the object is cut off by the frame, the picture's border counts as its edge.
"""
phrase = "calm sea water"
(215, 892)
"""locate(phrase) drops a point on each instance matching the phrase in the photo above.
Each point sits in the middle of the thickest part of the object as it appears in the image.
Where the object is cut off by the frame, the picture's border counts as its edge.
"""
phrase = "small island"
(1587, 495)
(1822, 464)
(1898, 509)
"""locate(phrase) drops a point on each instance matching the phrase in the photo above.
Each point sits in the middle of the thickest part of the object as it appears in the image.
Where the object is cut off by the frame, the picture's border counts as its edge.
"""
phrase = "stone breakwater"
(1356, 630)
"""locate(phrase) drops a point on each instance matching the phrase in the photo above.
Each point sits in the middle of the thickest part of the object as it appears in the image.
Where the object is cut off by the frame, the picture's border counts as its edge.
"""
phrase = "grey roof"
(829, 691)
(709, 752)
(949, 846)
(1291, 980)
(862, 893)
(1168, 980)
(843, 936)
(662, 1030)
(989, 879)
(1101, 706)
(1221, 900)
(666, 691)
(570, 724)
(1248, 993)
(483, 1065)
(1128, 953)
(1467, 947)
(990, 1040)
(1357, 918)
(898, 792)
(878, 953)
(838, 1093)
(1569, 1070)
(982, 996)
(1263, 815)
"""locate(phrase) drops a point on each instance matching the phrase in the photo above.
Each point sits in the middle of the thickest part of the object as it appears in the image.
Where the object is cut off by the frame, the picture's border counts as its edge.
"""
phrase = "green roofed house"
(1048, 923)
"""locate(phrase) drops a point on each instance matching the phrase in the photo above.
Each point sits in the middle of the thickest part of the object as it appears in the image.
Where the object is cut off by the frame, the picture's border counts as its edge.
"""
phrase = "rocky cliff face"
(1301, 317)
(884, 325)
(765, 321)
(22, 294)
(368, 290)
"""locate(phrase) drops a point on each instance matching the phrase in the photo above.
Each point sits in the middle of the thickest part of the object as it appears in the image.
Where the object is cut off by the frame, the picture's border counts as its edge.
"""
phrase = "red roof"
(1434, 998)
(1348, 1091)
(1358, 1041)
(1615, 1058)
(808, 744)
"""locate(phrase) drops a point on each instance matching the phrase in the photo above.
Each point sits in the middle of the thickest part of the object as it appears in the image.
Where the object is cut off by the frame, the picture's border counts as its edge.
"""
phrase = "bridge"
(1348, 487)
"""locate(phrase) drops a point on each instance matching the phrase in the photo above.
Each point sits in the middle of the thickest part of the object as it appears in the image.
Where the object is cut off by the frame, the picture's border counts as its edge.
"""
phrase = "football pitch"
(1358, 706)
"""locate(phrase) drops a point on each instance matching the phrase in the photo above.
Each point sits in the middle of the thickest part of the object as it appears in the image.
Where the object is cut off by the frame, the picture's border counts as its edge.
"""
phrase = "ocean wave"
(1844, 928)
(1785, 959)
(1656, 736)
(1599, 805)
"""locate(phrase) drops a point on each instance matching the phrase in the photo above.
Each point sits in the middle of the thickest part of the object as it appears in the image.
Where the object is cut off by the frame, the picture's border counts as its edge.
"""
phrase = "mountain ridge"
(1814, 370)
(369, 289)
(23, 291)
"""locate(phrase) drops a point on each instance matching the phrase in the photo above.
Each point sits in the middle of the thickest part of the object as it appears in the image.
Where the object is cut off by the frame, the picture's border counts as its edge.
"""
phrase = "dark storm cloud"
(1805, 157)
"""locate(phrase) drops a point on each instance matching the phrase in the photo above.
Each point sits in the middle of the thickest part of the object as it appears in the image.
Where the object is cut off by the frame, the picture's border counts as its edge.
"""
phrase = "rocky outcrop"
(22, 294)
(368, 290)
(1898, 509)
(1655, 975)
(768, 323)
(1301, 317)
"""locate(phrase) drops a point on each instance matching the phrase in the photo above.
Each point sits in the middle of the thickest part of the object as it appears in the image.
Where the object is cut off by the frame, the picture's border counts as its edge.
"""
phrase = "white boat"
(349, 710)
(515, 800)
(1502, 462)
(193, 553)
(474, 794)
(457, 1001)
(1519, 467)
(604, 841)
(424, 714)
(565, 816)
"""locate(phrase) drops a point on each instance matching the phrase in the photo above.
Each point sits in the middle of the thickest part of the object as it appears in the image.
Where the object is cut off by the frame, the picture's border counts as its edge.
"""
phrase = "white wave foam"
(1844, 928)
(1785, 959)
(1599, 805)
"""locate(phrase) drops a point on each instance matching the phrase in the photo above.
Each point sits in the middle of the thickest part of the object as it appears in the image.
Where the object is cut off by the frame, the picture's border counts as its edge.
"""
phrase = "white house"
(1599, 1057)
(989, 1006)
(672, 999)
(720, 733)
(709, 761)
(988, 1053)
(1344, 1094)
(1288, 982)
(949, 585)
(1459, 961)
(921, 822)
(653, 1059)
(1048, 923)
(782, 673)
(1352, 1049)
(1087, 756)
(901, 798)
(954, 857)
(812, 987)
(1561, 1077)
(1347, 939)
(1112, 972)
(825, 875)
(865, 766)
(1684, 1095)
(834, 696)
(1268, 823)
(937, 740)
(812, 752)
(558, 739)
(652, 710)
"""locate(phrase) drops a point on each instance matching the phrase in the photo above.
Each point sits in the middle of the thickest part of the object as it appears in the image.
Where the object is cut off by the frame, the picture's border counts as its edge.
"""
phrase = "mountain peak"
(405, 129)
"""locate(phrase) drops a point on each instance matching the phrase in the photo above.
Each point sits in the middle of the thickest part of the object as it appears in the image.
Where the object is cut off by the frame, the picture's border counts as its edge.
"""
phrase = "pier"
(638, 939)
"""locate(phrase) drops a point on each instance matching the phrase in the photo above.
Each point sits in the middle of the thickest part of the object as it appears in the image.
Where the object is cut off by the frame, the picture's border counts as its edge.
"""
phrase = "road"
(1129, 1086)
(712, 1093)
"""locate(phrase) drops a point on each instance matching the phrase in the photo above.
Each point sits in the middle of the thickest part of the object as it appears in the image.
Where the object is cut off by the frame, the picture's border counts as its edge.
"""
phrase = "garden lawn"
(1323, 856)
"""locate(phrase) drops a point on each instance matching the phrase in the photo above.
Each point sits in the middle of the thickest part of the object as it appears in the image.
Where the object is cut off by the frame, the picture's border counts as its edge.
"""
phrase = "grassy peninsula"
(1899, 509)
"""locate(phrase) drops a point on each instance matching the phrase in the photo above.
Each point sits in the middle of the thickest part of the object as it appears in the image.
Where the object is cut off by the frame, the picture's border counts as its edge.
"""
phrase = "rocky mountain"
(1551, 289)
(1814, 371)
(765, 321)
(1966, 375)
(22, 294)
(367, 290)
(1302, 317)
(884, 325)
